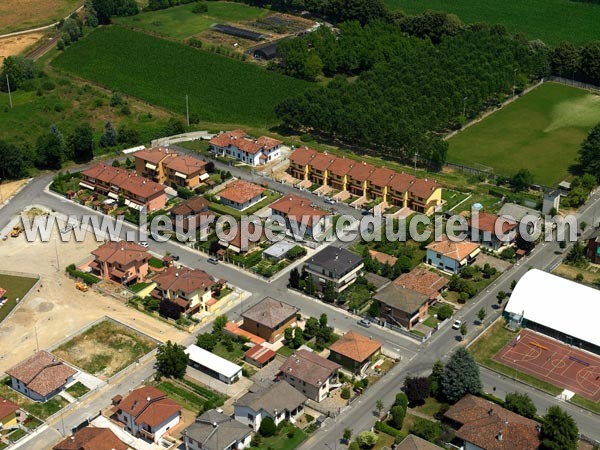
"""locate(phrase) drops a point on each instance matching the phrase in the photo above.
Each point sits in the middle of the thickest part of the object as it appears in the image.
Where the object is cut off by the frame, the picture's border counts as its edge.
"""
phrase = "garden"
(37, 409)
(190, 395)
(16, 288)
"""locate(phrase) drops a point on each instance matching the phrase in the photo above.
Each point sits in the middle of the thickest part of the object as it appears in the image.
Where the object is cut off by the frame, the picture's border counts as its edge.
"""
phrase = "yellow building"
(8, 413)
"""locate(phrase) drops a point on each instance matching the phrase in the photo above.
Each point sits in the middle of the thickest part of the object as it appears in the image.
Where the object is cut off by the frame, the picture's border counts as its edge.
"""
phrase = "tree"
(520, 404)
(481, 315)
(207, 341)
(311, 327)
(345, 394)
(173, 127)
(444, 312)
(367, 439)
(589, 153)
(417, 389)
(18, 69)
(379, 406)
(398, 414)
(219, 324)
(109, 136)
(128, 136)
(347, 434)
(513, 285)
(501, 296)
(461, 376)
(50, 151)
(521, 180)
(267, 427)
(171, 360)
(72, 29)
(559, 430)
(81, 144)
(12, 163)
(294, 278)
(91, 16)
(401, 400)
(426, 429)
(435, 379)
(298, 337)
(463, 330)
(169, 309)
(329, 292)
(288, 335)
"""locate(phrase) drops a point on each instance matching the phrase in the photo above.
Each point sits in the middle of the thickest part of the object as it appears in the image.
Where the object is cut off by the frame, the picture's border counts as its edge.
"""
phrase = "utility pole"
(515, 80)
(37, 342)
(465, 107)
(416, 156)
(9, 94)
(187, 109)
(56, 251)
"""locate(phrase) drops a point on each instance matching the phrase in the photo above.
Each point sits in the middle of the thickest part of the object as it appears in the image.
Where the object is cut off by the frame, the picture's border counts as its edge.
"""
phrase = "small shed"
(278, 250)
(266, 51)
(259, 356)
(213, 365)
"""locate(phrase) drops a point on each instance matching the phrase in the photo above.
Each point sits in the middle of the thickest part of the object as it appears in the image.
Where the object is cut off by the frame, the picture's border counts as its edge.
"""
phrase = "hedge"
(87, 278)
(388, 429)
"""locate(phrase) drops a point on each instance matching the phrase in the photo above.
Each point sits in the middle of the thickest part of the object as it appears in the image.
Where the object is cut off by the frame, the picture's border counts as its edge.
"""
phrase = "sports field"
(552, 21)
(541, 131)
(554, 362)
(162, 73)
(180, 22)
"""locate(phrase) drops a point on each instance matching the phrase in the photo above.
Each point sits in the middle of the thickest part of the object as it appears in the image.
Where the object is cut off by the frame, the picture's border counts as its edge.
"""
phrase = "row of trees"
(579, 64)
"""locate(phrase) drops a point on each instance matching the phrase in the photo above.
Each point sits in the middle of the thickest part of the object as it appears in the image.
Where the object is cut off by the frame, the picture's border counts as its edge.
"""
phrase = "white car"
(456, 325)
(143, 244)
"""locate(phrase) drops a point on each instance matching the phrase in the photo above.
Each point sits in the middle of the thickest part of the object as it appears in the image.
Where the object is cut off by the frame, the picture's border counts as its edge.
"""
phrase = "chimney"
(500, 437)
(148, 398)
(214, 424)
(491, 412)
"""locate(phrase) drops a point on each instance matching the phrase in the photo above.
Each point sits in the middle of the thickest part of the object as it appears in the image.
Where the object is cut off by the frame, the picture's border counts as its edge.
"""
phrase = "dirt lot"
(24, 14)
(105, 349)
(57, 309)
(15, 45)
(7, 190)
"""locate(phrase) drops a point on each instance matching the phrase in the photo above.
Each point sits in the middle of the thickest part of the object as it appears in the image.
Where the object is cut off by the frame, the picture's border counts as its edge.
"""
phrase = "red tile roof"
(302, 156)
(147, 405)
(224, 139)
(7, 408)
(355, 346)
(260, 354)
(487, 222)
(382, 176)
(184, 280)
(42, 373)
(423, 187)
(298, 208)
(2, 292)
(322, 161)
(402, 182)
(453, 250)
(154, 155)
(240, 191)
(121, 252)
(128, 181)
(186, 165)
(237, 138)
(423, 281)
(268, 142)
(233, 328)
(341, 166)
(383, 258)
(361, 171)
(90, 438)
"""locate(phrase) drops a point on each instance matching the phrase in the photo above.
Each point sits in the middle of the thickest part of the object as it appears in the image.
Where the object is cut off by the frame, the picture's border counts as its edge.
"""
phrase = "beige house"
(189, 289)
(310, 374)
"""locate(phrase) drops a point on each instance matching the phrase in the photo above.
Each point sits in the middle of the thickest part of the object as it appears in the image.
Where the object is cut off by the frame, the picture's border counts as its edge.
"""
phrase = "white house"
(147, 413)
(279, 401)
(451, 256)
(216, 431)
(213, 365)
(254, 152)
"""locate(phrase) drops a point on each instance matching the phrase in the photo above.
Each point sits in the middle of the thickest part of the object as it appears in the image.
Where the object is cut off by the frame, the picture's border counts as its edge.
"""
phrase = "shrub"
(200, 8)
(444, 312)
(345, 393)
(388, 429)
(267, 427)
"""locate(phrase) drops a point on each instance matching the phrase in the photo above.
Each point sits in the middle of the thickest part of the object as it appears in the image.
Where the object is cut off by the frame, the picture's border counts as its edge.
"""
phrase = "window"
(250, 417)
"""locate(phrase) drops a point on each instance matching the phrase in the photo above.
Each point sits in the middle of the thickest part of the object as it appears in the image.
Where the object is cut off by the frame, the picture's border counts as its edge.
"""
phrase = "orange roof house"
(91, 438)
(451, 256)
(237, 144)
(189, 289)
(354, 351)
(121, 261)
(296, 211)
(423, 281)
(241, 194)
(482, 228)
(8, 413)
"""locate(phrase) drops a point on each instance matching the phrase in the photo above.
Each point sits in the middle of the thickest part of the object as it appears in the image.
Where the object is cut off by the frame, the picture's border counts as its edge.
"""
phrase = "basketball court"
(554, 362)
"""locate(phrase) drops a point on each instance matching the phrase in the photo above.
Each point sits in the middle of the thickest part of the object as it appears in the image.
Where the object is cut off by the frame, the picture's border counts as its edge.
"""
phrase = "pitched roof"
(492, 427)
(453, 250)
(124, 179)
(309, 367)
(517, 212)
(298, 209)
(270, 312)
(423, 281)
(268, 142)
(400, 298)
(91, 438)
(383, 258)
(121, 252)
(361, 171)
(322, 161)
(302, 156)
(487, 222)
(423, 187)
(260, 354)
(185, 164)
(216, 431)
(279, 396)
(147, 405)
(42, 373)
(240, 191)
(337, 260)
(154, 155)
(237, 138)
(412, 442)
(224, 139)
(382, 176)
(7, 407)
(183, 279)
(355, 346)
(402, 182)
(251, 236)
(341, 166)
(191, 206)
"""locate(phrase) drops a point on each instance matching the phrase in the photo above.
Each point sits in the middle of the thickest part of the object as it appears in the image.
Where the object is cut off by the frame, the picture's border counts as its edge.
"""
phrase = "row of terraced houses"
(365, 180)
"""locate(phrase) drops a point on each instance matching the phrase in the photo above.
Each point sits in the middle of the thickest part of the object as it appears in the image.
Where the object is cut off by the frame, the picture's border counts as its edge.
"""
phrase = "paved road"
(415, 359)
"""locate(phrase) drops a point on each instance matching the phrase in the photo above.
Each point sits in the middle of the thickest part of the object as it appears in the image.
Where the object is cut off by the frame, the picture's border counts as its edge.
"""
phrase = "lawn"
(190, 395)
(40, 410)
(552, 21)
(16, 287)
(269, 197)
(25, 14)
(162, 73)
(78, 390)
(490, 343)
(541, 131)
(281, 441)
(105, 349)
(180, 22)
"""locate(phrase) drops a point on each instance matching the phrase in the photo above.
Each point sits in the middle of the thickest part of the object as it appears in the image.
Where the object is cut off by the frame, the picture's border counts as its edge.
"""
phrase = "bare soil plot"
(16, 15)
(17, 44)
(105, 349)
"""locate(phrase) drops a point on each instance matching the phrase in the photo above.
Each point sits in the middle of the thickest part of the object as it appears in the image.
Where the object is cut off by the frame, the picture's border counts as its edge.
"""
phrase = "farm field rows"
(541, 131)
(552, 21)
(180, 22)
(163, 72)
(18, 15)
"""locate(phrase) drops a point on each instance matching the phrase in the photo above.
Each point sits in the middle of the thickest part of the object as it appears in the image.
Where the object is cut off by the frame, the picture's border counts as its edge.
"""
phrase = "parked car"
(143, 244)
(456, 325)
(330, 201)
(364, 323)
(213, 260)
(175, 257)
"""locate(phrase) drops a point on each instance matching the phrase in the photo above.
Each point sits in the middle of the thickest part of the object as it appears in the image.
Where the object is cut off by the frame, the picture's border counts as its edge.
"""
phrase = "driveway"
(236, 389)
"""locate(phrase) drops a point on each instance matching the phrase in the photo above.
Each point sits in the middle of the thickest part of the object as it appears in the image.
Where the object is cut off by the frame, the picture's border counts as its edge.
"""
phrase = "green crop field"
(552, 21)
(180, 22)
(162, 72)
(541, 131)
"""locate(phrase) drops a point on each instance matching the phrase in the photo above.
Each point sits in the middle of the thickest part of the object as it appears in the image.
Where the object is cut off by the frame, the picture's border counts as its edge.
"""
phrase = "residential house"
(167, 167)
(338, 173)
(310, 373)
(358, 178)
(592, 247)
(259, 355)
(213, 365)
(8, 413)
(491, 231)
(518, 213)
(401, 306)
(279, 401)
(355, 352)
(269, 318)
(121, 261)
(379, 182)
(190, 289)
(423, 281)
(302, 218)
(412, 442)
(299, 162)
(255, 152)
(193, 214)
(41, 376)
(319, 166)
(147, 413)
(240, 194)
(92, 438)
(278, 250)
(213, 430)
(424, 195)
(335, 264)
(451, 256)
(137, 192)
(244, 238)
(398, 190)
(483, 425)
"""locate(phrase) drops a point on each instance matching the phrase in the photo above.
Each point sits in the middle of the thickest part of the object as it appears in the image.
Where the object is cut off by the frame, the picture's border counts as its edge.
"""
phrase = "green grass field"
(163, 72)
(541, 131)
(552, 21)
(16, 287)
(180, 22)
